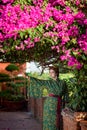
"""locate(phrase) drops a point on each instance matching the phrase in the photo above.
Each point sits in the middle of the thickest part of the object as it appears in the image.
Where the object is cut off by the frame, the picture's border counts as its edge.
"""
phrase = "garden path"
(18, 121)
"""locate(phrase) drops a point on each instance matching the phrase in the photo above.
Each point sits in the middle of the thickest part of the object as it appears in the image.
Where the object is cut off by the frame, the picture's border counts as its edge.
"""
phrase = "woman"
(57, 96)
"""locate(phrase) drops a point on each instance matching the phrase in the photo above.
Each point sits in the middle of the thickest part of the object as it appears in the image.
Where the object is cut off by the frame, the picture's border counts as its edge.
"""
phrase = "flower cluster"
(7, 1)
(21, 28)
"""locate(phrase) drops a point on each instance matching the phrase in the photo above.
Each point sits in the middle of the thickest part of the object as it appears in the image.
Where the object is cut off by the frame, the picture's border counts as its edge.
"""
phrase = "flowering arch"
(42, 30)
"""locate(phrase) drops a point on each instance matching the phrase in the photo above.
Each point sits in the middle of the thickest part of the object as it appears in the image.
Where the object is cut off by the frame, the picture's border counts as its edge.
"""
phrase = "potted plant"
(12, 97)
(75, 115)
(12, 101)
(4, 77)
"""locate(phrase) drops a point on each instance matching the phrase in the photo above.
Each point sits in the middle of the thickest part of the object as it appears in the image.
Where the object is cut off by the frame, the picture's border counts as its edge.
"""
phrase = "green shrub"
(4, 77)
(12, 67)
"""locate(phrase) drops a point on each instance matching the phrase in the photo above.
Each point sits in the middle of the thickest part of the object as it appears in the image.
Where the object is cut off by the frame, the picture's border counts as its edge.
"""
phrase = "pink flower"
(36, 39)
(6, 1)
(17, 48)
(77, 2)
(53, 47)
(73, 31)
(30, 45)
(65, 56)
(85, 21)
(73, 62)
(22, 46)
(27, 41)
(68, 9)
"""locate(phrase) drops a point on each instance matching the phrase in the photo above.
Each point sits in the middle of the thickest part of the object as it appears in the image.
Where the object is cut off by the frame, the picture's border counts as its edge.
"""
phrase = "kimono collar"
(54, 79)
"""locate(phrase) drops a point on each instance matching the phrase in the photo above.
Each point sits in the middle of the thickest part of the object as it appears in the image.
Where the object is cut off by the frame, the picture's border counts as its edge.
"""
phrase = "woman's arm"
(39, 82)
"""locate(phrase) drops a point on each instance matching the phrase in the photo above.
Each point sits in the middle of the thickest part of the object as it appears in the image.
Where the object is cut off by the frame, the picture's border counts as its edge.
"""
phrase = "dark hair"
(55, 68)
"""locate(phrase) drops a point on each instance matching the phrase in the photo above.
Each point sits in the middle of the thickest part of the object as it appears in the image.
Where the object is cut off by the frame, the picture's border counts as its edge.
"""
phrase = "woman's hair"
(55, 68)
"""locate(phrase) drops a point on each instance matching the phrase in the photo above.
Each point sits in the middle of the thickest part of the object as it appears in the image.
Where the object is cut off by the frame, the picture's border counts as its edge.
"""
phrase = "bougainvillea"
(41, 30)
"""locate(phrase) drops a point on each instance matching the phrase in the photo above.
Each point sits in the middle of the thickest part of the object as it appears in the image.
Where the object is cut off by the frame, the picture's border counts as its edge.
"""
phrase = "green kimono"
(57, 87)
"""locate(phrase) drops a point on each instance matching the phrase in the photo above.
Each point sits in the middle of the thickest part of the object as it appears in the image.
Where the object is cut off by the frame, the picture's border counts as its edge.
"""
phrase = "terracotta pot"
(14, 105)
(83, 124)
(69, 120)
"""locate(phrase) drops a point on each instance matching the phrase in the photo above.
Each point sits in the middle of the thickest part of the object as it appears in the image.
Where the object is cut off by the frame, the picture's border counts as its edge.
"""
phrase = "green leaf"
(49, 40)
(40, 28)
(21, 34)
(84, 57)
(85, 66)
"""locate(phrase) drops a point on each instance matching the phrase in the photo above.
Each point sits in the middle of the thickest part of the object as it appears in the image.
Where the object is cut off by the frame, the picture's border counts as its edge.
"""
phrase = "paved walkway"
(18, 121)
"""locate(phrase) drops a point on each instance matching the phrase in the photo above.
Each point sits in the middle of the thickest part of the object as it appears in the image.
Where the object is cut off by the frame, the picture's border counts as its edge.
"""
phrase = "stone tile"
(18, 121)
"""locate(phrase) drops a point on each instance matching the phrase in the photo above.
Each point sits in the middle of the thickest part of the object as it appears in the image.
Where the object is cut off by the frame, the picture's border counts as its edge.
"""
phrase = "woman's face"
(52, 73)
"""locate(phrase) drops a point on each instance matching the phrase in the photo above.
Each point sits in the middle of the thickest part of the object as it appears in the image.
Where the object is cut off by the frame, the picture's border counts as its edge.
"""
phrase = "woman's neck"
(55, 78)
